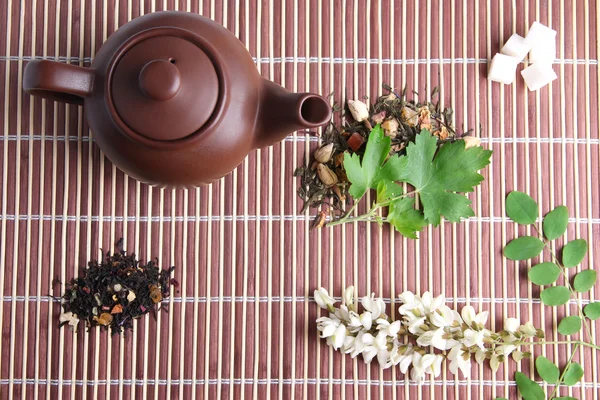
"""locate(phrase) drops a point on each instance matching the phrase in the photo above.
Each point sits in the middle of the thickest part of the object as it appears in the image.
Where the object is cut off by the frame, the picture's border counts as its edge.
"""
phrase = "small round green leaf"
(573, 252)
(585, 280)
(555, 296)
(523, 248)
(521, 208)
(528, 388)
(555, 222)
(569, 325)
(546, 369)
(544, 274)
(592, 310)
(573, 374)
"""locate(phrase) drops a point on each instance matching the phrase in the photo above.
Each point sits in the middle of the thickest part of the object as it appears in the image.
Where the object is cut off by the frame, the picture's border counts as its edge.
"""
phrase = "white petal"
(425, 339)
(427, 300)
(427, 360)
(438, 340)
(414, 326)
(482, 318)
(381, 340)
(349, 296)
(511, 325)
(368, 339)
(468, 315)
(407, 297)
(328, 330)
(480, 356)
(437, 302)
(405, 362)
(322, 298)
(369, 353)
(339, 336)
(366, 320)
(394, 328)
(528, 329)
(383, 357)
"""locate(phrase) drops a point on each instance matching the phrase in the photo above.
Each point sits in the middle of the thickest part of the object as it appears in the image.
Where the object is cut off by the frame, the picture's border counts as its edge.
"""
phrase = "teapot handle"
(58, 81)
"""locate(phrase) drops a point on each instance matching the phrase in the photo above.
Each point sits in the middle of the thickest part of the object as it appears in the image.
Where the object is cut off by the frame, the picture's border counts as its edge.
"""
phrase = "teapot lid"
(164, 84)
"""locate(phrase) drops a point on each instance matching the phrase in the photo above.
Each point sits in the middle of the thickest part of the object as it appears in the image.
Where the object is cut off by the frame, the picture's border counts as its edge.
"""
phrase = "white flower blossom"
(460, 359)
(511, 325)
(442, 317)
(375, 306)
(389, 329)
(366, 320)
(376, 346)
(472, 319)
(528, 330)
(323, 299)
(349, 296)
(474, 338)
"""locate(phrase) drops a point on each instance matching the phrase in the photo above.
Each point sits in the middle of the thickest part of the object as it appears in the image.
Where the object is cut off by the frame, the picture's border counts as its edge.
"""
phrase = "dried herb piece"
(115, 291)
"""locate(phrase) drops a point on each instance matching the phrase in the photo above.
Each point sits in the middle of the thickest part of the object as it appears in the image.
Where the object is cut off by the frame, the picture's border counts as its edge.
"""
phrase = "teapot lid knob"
(160, 79)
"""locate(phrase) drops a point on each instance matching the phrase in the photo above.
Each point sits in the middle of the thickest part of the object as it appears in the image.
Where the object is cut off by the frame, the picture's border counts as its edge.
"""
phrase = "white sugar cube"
(503, 69)
(538, 75)
(545, 52)
(540, 35)
(516, 46)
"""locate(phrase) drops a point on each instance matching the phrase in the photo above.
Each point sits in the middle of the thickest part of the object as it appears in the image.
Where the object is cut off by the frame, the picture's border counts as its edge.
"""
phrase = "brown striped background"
(241, 325)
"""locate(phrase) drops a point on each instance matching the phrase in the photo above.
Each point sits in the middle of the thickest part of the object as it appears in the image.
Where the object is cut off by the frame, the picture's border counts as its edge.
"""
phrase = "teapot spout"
(282, 112)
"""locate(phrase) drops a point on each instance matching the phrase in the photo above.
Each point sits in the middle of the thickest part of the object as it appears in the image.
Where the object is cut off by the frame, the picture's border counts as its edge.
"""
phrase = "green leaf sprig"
(438, 176)
(523, 210)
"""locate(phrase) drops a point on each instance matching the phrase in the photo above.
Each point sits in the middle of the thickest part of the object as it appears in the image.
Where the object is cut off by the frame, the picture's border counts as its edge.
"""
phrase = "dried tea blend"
(323, 181)
(115, 291)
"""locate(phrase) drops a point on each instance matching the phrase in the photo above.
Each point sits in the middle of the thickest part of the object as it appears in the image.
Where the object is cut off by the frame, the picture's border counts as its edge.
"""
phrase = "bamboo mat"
(241, 325)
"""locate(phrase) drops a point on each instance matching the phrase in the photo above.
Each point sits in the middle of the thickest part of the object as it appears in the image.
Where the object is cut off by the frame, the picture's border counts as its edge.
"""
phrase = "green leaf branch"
(523, 210)
(439, 176)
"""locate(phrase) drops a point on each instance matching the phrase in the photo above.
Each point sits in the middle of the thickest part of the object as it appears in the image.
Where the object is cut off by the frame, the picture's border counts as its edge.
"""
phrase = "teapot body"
(204, 156)
(174, 99)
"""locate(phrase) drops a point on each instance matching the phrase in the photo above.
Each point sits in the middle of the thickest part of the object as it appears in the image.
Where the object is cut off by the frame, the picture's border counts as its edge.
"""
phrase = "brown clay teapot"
(174, 99)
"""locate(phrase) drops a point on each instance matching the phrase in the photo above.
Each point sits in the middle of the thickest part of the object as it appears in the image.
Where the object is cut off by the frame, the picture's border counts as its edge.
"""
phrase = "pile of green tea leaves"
(411, 143)
(115, 291)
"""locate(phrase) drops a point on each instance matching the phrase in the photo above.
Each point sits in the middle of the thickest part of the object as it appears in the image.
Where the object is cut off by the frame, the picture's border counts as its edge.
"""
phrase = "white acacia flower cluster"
(427, 333)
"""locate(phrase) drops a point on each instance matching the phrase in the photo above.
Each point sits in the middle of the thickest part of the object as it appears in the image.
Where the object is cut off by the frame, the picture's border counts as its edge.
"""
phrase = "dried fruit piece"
(503, 69)
(155, 294)
(379, 117)
(390, 127)
(471, 141)
(356, 141)
(104, 319)
(411, 117)
(117, 309)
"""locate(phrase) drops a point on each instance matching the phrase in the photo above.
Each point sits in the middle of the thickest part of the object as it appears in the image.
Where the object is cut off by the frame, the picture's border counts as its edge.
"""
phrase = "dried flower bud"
(411, 117)
(379, 117)
(326, 175)
(390, 127)
(104, 319)
(471, 141)
(155, 294)
(117, 287)
(323, 154)
(390, 97)
(359, 110)
(442, 133)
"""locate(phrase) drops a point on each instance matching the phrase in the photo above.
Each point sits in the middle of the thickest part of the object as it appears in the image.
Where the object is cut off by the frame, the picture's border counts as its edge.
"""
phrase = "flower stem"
(574, 342)
(368, 216)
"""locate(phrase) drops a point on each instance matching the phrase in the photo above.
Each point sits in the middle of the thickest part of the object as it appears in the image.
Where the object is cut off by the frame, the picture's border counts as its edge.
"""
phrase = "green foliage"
(528, 389)
(521, 208)
(592, 310)
(569, 325)
(574, 252)
(573, 374)
(362, 174)
(555, 296)
(555, 222)
(585, 280)
(437, 175)
(547, 370)
(523, 248)
(544, 274)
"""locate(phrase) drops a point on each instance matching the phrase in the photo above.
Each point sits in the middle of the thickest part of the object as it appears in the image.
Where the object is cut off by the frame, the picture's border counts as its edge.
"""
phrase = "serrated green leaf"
(362, 173)
(569, 325)
(573, 374)
(381, 192)
(574, 252)
(585, 280)
(555, 222)
(555, 296)
(521, 208)
(546, 369)
(544, 274)
(403, 216)
(528, 388)
(592, 311)
(523, 248)
(440, 177)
